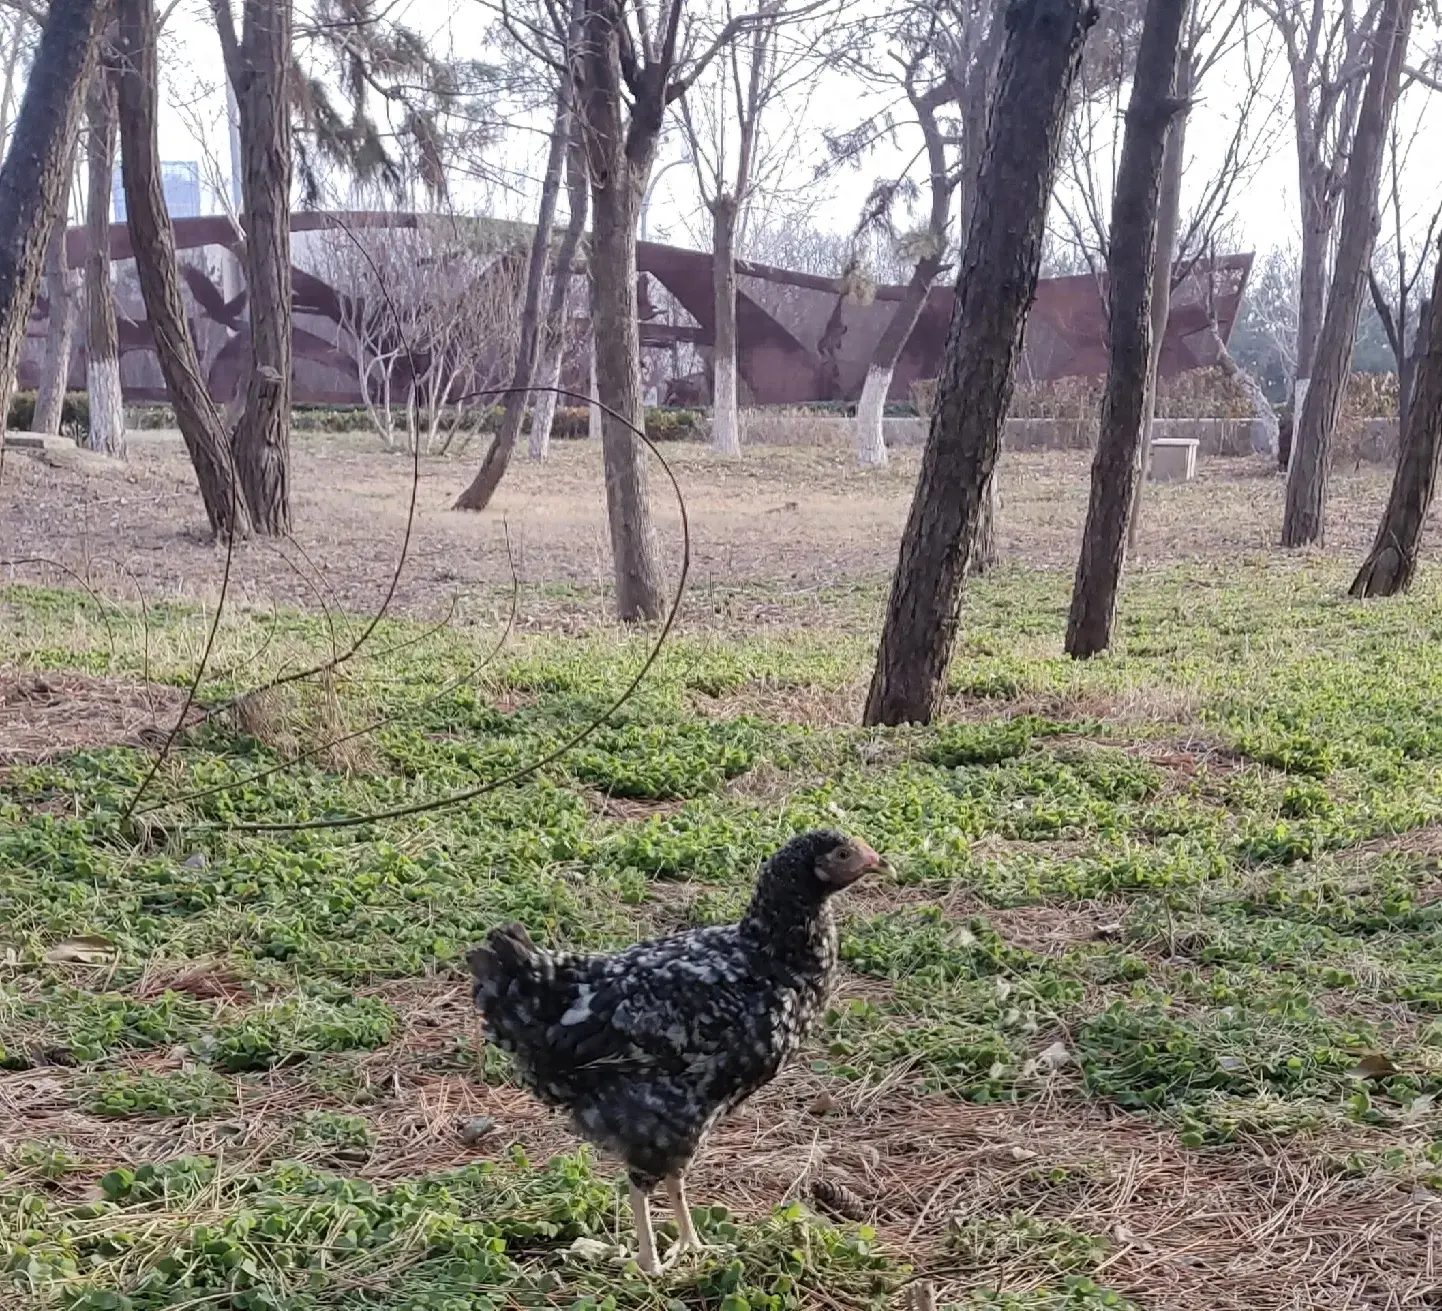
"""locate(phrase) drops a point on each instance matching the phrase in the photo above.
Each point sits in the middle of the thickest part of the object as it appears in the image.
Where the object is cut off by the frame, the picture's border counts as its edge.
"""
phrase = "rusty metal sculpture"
(803, 339)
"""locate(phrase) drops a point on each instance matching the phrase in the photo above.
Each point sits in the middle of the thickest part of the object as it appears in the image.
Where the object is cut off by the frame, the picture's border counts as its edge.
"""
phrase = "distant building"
(181, 180)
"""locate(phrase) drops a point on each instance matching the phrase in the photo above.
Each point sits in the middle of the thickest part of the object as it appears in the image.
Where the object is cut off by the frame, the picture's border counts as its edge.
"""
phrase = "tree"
(1394, 273)
(1131, 268)
(1303, 520)
(32, 178)
(995, 286)
(944, 70)
(428, 315)
(152, 238)
(102, 338)
(631, 72)
(1327, 49)
(543, 412)
(735, 152)
(258, 64)
(62, 286)
(1392, 564)
(493, 468)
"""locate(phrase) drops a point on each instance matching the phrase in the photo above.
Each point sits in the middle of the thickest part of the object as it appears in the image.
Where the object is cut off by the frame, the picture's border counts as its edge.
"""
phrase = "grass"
(1184, 896)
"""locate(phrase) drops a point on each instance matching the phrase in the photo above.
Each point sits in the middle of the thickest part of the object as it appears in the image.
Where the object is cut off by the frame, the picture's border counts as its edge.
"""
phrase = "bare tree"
(15, 43)
(102, 338)
(1396, 268)
(553, 349)
(33, 176)
(634, 65)
(1328, 48)
(62, 288)
(736, 150)
(1303, 521)
(1213, 30)
(943, 67)
(478, 495)
(1392, 564)
(995, 286)
(428, 315)
(258, 63)
(152, 238)
(1131, 266)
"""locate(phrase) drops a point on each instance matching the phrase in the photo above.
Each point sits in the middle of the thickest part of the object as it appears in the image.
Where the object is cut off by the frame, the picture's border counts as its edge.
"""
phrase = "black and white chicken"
(649, 1048)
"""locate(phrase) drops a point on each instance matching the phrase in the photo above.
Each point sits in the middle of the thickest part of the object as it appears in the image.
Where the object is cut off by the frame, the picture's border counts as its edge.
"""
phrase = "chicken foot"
(645, 1235)
(690, 1241)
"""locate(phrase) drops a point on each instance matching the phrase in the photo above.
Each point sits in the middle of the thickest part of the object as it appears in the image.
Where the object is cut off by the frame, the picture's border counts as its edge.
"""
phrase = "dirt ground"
(139, 524)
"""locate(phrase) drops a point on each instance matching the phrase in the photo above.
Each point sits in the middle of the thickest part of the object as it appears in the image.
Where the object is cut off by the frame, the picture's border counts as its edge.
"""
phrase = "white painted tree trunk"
(870, 434)
(725, 416)
(593, 430)
(107, 406)
(543, 411)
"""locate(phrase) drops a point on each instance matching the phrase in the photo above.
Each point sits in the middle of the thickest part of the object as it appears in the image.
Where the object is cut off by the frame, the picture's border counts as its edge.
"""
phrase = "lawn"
(1148, 1013)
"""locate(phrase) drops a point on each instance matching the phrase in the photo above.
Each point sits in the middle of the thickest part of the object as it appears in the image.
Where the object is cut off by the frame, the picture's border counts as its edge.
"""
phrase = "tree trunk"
(153, 240)
(1265, 434)
(619, 161)
(1303, 522)
(498, 458)
(725, 410)
(260, 70)
(995, 286)
(102, 341)
(1131, 276)
(1169, 212)
(1393, 562)
(543, 412)
(985, 553)
(1317, 222)
(62, 285)
(593, 387)
(1407, 376)
(33, 175)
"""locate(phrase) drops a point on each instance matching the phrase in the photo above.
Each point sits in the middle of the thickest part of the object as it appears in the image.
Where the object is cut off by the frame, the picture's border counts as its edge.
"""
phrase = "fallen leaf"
(1108, 931)
(823, 1104)
(84, 949)
(1231, 1062)
(1373, 1066)
(1055, 1056)
(1419, 1106)
(1022, 1154)
(476, 1128)
(590, 1249)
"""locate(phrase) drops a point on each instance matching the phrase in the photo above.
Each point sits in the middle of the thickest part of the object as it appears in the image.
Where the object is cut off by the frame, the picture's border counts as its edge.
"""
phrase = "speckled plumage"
(648, 1048)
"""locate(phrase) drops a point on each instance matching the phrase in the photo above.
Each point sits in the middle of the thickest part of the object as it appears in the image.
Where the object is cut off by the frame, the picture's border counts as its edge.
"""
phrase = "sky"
(1264, 213)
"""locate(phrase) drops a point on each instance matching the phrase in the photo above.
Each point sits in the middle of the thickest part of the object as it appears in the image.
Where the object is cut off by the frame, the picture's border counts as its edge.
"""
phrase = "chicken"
(649, 1048)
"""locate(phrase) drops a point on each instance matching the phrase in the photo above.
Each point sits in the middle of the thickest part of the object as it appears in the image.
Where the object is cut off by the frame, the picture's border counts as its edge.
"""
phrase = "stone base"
(1174, 459)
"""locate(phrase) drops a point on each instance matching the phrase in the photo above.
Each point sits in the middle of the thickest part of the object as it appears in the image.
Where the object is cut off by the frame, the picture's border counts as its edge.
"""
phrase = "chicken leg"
(645, 1235)
(690, 1241)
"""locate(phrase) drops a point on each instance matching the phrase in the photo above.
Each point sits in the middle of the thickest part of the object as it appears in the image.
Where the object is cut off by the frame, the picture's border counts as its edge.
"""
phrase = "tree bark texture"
(995, 286)
(725, 406)
(498, 457)
(543, 411)
(33, 177)
(1390, 568)
(619, 157)
(1131, 278)
(259, 67)
(986, 553)
(102, 340)
(153, 238)
(1169, 212)
(62, 289)
(1317, 413)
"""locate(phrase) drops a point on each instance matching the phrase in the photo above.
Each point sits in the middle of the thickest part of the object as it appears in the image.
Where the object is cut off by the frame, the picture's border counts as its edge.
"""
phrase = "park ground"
(1148, 1013)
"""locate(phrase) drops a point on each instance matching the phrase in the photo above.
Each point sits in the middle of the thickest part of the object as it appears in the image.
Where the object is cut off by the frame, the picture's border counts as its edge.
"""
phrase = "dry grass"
(46, 715)
(139, 524)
